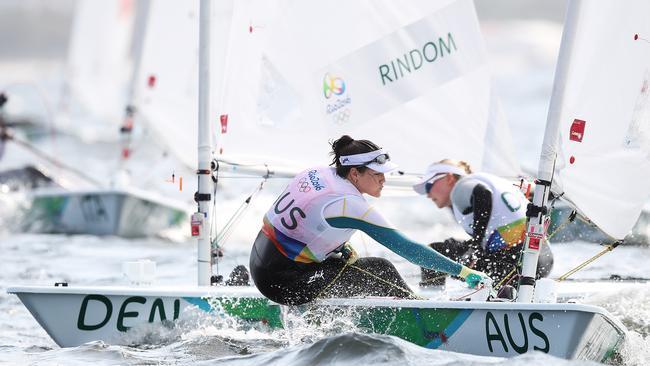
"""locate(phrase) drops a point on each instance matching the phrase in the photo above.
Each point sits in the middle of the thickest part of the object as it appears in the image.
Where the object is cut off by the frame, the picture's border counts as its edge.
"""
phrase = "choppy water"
(88, 260)
(522, 55)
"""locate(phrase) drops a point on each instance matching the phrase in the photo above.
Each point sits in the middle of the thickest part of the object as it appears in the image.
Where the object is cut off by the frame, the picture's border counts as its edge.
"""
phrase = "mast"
(203, 196)
(538, 212)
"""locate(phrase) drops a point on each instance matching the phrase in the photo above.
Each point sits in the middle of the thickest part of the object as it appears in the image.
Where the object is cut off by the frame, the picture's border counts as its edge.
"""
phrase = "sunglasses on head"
(432, 181)
(381, 159)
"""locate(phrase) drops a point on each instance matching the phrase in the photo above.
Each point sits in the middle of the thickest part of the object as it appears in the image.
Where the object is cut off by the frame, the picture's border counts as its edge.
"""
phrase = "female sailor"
(301, 252)
(490, 209)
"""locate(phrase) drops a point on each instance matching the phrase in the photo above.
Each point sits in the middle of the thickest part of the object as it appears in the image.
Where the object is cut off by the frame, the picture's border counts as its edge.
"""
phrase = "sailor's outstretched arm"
(392, 239)
(355, 213)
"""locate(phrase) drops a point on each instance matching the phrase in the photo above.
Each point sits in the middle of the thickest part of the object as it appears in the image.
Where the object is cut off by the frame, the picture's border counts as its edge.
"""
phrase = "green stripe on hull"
(425, 327)
(246, 308)
(48, 207)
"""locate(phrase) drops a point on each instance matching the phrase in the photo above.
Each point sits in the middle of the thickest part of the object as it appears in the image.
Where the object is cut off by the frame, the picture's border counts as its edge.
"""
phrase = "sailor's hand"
(474, 278)
(349, 254)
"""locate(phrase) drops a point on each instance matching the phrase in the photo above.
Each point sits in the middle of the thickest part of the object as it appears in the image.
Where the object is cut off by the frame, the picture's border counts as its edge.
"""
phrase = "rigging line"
(234, 220)
(345, 266)
(53, 161)
(582, 265)
(213, 223)
(467, 295)
(237, 216)
(507, 277)
(569, 220)
(214, 247)
(251, 177)
(407, 291)
(348, 264)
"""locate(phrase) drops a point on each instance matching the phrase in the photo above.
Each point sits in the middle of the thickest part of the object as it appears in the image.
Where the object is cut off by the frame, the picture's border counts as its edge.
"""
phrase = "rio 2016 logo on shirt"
(303, 185)
(333, 85)
(337, 100)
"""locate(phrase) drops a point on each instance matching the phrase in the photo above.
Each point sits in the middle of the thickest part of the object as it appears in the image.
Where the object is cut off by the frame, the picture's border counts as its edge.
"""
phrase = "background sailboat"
(103, 66)
(98, 69)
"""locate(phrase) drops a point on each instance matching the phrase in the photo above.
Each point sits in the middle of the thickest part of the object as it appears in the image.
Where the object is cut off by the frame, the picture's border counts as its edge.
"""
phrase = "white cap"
(363, 159)
(433, 170)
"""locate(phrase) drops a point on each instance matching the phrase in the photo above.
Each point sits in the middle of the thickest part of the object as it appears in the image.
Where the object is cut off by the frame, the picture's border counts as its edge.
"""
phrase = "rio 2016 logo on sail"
(333, 85)
(337, 102)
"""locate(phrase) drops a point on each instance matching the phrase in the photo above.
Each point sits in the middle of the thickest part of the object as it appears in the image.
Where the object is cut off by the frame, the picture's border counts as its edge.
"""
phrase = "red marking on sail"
(151, 81)
(577, 131)
(637, 37)
(252, 27)
(125, 9)
(572, 160)
(224, 123)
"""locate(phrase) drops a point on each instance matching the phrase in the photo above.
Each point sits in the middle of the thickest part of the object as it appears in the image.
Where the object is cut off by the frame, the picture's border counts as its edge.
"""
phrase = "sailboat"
(74, 315)
(103, 79)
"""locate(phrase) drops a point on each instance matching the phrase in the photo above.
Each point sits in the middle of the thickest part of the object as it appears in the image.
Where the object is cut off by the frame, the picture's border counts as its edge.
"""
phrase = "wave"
(366, 349)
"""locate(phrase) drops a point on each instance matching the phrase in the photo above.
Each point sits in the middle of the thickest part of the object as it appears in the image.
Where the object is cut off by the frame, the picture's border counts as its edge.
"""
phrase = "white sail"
(412, 76)
(599, 118)
(167, 86)
(99, 65)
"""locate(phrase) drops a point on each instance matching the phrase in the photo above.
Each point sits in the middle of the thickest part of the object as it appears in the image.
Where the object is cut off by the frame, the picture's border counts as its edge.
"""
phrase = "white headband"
(360, 159)
(433, 170)
(438, 168)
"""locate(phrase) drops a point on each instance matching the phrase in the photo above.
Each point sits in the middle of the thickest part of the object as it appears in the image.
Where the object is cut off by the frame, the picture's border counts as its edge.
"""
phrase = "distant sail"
(167, 85)
(599, 119)
(98, 66)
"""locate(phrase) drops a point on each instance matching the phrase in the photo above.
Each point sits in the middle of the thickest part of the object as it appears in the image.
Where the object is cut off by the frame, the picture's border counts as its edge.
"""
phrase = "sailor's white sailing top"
(506, 226)
(319, 211)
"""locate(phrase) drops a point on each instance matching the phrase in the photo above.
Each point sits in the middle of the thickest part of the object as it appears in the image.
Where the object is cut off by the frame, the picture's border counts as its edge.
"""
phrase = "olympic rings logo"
(341, 117)
(303, 185)
(333, 85)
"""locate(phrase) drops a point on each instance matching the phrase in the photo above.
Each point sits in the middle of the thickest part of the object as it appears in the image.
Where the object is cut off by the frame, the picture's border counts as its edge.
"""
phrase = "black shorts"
(497, 265)
(293, 283)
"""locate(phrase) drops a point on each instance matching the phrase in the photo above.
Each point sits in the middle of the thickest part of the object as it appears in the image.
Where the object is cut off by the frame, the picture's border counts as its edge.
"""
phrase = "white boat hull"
(124, 213)
(73, 316)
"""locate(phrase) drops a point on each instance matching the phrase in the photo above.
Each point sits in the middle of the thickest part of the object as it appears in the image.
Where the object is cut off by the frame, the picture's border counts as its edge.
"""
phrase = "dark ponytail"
(346, 145)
